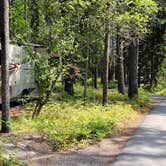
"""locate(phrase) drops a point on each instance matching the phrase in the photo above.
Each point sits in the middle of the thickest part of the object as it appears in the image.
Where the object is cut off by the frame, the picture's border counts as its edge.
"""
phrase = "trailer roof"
(33, 45)
(27, 44)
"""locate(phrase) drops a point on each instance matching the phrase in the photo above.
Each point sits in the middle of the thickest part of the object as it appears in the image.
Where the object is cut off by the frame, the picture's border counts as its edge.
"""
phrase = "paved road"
(148, 146)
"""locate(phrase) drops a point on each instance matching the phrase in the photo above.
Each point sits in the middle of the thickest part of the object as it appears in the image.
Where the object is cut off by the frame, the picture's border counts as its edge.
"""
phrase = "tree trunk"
(101, 75)
(85, 78)
(34, 19)
(113, 62)
(69, 81)
(126, 70)
(139, 76)
(152, 74)
(4, 7)
(106, 58)
(112, 70)
(133, 69)
(120, 65)
(95, 75)
(69, 86)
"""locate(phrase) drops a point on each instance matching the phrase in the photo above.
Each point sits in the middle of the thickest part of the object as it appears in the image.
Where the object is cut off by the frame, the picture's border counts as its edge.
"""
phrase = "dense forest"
(95, 54)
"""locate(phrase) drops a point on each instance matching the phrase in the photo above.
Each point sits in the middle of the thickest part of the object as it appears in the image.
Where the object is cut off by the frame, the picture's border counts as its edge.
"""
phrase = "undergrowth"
(67, 121)
(160, 90)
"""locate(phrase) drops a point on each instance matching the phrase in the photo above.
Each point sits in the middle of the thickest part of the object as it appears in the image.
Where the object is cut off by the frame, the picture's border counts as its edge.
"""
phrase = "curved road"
(148, 146)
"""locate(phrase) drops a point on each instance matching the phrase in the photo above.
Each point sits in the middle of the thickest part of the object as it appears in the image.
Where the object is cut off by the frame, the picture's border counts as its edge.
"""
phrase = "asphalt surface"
(148, 146)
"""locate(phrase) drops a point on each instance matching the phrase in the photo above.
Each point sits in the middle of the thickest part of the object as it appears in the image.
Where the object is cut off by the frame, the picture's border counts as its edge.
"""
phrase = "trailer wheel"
(24, 93)
(24, 96)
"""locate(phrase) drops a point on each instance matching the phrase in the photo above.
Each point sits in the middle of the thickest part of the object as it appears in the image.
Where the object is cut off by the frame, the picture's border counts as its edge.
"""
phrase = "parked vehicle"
(21, 73)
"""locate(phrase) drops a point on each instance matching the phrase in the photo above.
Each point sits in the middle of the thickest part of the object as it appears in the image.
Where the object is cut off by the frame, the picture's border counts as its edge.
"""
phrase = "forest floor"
(67, 119)
(98, 154)
(31, 149)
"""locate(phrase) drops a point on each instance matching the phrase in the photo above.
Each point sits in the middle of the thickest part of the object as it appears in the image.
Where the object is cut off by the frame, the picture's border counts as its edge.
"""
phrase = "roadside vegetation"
(68, 121)
(160, 90)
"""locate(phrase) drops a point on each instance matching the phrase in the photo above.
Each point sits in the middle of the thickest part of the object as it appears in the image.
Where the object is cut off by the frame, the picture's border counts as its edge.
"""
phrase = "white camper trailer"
(21, 78)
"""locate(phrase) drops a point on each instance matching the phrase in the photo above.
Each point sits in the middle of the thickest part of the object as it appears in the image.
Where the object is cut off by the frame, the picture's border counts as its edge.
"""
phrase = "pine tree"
(4, 7)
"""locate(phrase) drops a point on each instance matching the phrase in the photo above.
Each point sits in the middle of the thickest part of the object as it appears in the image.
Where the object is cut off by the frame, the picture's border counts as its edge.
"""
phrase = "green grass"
(111, 84)
(67, 121)
(161, 92)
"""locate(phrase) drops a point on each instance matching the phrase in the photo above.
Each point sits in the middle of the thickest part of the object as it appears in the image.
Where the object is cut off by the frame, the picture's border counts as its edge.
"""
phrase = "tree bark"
(85, 77)
(69, 81)
(4, 7)
(95, 75)
(152, 74)
(34, 19)
(133, 69)
(120, 65)
(106, 58)
(69, 86)
(126, 70)
(113, 62)
(101, 75)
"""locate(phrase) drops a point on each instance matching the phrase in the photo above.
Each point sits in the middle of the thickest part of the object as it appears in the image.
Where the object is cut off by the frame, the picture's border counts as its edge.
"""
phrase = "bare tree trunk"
(85, 78)
(112, 70)
(69, 81)
(106, 58)
(120, 65)
(4, 8)
(113, 63)
(126, 70)
(133, 69)
(152, 73)
(95, 75)
(101, 75)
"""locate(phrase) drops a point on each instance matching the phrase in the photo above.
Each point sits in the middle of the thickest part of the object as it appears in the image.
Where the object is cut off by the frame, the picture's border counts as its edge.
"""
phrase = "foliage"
(134, 16)
(161, 88)
(65, 120)
(152, 62)
(73, 32)
(161, 92)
